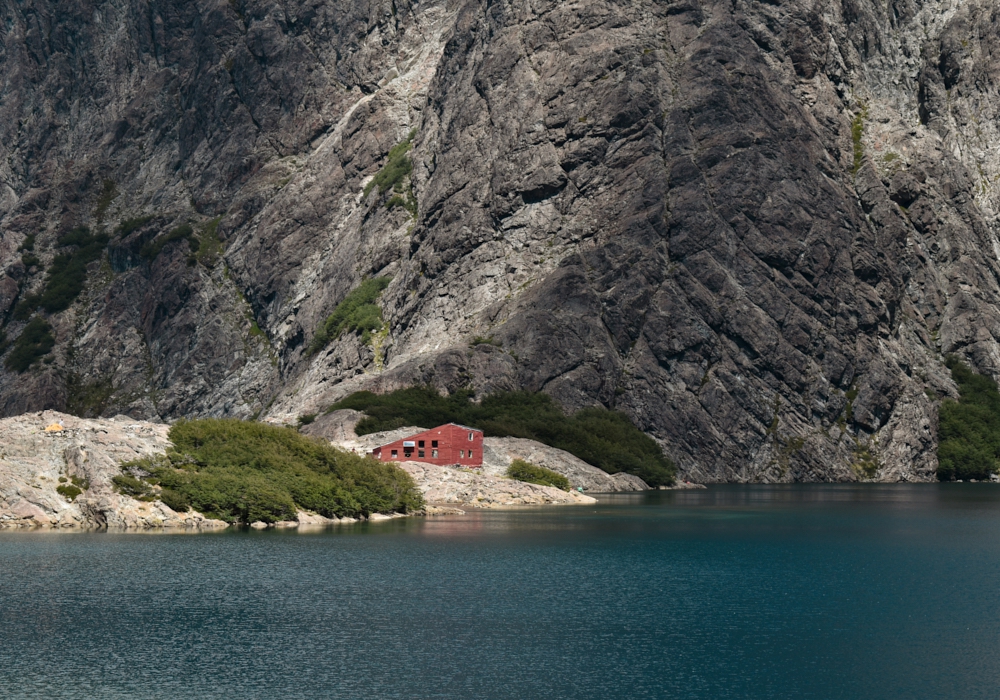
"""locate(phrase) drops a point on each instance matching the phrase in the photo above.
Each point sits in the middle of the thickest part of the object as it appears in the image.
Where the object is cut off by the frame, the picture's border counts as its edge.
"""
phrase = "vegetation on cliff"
(533, 474)
(246, 472)
(67, 273)
(606, 439)
(35, 341)
(357, 312)
(969, 429)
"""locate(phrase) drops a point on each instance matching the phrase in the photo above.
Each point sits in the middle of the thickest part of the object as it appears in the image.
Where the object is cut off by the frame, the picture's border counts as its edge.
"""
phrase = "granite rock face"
(756, 228)
(39, 452)
(498, 453)
(448, 486)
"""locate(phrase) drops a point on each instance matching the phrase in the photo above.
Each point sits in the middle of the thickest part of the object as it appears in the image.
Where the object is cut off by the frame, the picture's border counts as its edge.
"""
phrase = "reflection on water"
(789, 591)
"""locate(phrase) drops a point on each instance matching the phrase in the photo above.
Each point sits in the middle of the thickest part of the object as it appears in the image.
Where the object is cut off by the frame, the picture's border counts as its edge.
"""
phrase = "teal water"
(734, 592)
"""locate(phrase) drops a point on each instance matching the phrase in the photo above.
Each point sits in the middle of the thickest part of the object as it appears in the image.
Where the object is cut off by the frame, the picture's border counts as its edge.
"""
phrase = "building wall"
(453, 447)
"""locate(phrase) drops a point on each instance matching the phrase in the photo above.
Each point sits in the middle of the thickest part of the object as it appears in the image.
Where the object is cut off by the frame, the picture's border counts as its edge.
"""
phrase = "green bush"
(69, 491)
(969, 429)
(68, 272)
(27, 244)
(357, 312)
(128, 485)
(397, 167)
(175, 500)
(35, 342)
(528, 472)
(243, 472)
(128, 226)
(182, 232)
(606, 439)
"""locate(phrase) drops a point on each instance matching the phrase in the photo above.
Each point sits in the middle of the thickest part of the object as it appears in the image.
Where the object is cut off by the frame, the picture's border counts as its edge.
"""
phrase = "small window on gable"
(420, 443)
(470, 436)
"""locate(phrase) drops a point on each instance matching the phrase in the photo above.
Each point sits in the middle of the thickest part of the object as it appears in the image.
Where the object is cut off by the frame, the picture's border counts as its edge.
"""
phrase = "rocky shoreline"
(56, 472)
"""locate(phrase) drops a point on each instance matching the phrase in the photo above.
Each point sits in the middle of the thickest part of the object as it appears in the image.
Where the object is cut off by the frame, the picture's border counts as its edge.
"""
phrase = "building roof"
(422, 432)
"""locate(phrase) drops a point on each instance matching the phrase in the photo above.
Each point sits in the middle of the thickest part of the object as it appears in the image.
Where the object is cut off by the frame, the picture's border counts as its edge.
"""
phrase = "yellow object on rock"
(55, 427)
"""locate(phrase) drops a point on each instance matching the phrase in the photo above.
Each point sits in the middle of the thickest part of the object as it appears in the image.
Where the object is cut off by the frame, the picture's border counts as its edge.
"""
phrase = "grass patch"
(532, 474)
(857, 131)
(969, 429)
(244, 472)
(35, 341)
(210, 248)
(357, 312)
(397, 167)
(606, 439)
(108, 192)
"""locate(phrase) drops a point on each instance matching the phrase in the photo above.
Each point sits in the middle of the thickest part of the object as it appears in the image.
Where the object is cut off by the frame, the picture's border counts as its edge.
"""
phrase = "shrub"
(27, 244)
(175, 500)
(357, 312)
(397, 167)
(527, 472)
(182, 232)
(69, 491)
(35, 342)
(969, 429)
(68, 272)
(128, 226)
(128, 485)
(243, 472)
(606, 439)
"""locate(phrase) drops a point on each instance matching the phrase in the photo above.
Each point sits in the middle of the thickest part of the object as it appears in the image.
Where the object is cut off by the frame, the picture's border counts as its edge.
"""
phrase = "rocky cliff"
(754, 227)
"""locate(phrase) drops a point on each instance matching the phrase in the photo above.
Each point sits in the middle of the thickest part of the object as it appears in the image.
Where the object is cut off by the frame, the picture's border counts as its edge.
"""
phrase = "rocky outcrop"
(41, 452)
(498, 453)
(755, 228)
(443, 486)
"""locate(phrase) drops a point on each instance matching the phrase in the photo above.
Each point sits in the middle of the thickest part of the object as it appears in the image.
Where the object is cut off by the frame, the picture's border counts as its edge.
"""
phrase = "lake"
(793, 591)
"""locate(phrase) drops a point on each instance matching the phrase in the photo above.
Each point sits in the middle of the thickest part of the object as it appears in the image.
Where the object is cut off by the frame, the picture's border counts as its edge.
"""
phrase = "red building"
(445, 444)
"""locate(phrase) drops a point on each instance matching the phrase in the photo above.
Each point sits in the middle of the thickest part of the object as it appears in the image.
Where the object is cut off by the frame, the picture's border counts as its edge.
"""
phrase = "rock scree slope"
(755, 228)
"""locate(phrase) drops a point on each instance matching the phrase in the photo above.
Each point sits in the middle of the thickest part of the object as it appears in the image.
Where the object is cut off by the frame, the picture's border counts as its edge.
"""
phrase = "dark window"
(470, 454)
(434, 443)
(420, 453)
(420, 443)
(395, 453)
(407, 453)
